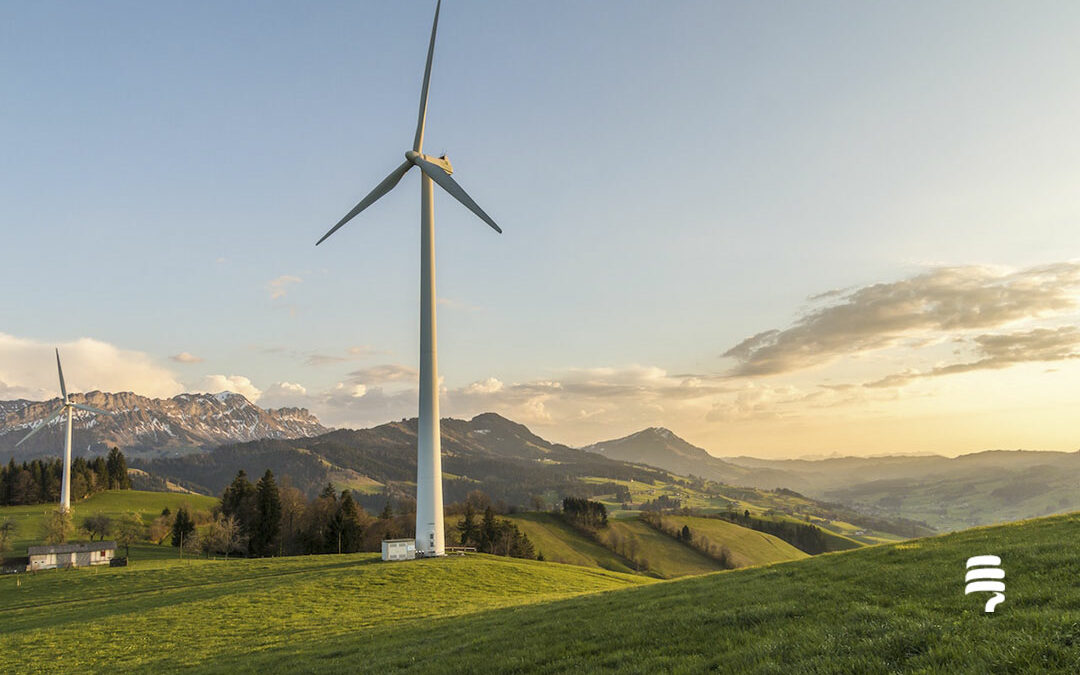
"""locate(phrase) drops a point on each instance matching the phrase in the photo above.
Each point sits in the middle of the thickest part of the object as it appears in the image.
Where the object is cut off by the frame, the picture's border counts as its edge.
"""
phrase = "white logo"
(986, 576)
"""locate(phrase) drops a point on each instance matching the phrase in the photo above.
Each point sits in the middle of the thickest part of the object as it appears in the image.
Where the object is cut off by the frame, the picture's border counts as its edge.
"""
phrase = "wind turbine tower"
(67, 407)
(429, 501)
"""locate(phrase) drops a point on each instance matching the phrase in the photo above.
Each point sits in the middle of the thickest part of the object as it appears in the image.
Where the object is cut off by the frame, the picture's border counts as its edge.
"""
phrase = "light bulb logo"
(984, 573)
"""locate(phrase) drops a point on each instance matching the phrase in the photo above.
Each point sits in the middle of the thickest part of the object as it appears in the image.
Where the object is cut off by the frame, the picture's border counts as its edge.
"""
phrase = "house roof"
(76, 547)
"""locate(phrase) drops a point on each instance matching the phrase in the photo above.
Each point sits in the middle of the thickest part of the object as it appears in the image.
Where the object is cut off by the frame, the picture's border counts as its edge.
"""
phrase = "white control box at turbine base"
(398, 549)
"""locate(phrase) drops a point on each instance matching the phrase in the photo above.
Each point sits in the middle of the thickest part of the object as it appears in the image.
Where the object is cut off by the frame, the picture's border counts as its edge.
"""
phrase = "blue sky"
(672, 179)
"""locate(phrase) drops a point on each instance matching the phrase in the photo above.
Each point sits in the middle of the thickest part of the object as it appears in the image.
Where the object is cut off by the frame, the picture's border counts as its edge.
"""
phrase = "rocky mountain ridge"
(144, 426)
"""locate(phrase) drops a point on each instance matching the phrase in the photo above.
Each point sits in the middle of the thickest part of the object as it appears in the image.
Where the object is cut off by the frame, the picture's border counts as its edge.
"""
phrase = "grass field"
(30, 519)
(208, 613)
(660, 554)
(746, 547)
(883, 609)
(561, 543)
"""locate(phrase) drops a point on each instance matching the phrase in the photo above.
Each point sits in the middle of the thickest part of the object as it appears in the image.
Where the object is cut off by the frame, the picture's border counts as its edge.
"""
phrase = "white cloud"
(278, 287)
(939, 303)
(28, 369)
(185, 357)
(235, 383)
(284, 394)
(382, 374)
(488, 386)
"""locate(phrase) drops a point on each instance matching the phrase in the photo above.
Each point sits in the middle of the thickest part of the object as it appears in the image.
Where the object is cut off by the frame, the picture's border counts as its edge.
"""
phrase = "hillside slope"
(660, 447)
(168, 615)
(559, 542)
(745, 547)
(893, 608)
(488, 452)
(942, 493)
(29, 520)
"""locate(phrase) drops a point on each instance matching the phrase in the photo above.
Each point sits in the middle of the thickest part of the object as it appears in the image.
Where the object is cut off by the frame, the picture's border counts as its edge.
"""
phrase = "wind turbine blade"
(92, 409)
(382, 188)
(418, 142)
(446, 182)
(53, 415)
(63, 387)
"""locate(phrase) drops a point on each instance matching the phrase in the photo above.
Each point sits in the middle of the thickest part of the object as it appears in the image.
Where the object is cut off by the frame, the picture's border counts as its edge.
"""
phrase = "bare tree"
(161, 528)
(129, 529)
(192, 544)
(224, 535)
(7, 531)
(58, 526)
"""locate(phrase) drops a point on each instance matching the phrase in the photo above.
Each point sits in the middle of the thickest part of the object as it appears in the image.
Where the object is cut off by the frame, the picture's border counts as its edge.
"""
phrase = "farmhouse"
(70, 555)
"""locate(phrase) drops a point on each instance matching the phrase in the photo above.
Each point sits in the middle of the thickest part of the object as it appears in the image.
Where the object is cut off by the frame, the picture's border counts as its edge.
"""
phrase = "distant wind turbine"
(429, 500)
(66, 406)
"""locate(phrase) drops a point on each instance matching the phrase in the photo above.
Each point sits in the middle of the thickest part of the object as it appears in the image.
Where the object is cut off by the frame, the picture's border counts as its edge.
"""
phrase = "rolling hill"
(660, 447)
(502, 458)
(745, 547)
(891, 608)
(488, 452)
(943, 493)
(30, 520)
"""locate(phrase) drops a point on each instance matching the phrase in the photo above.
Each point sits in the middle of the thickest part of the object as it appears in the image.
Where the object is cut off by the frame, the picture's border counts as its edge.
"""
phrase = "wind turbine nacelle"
(441, 162)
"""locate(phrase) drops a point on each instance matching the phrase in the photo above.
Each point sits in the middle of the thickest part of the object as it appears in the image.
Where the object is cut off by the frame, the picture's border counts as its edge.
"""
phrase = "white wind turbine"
(66, 406)
(429, 501)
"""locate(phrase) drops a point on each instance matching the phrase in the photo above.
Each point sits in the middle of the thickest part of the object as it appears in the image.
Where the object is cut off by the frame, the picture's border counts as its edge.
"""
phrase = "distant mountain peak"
(142, 425)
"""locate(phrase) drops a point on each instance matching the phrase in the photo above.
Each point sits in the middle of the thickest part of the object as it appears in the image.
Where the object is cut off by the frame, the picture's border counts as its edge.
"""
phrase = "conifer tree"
(467, 526)
(266, 531)
(183, 526)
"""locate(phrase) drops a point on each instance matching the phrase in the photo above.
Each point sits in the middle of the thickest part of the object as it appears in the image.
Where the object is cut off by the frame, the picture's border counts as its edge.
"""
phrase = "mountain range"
(146, 427)
(200, 441)
(948, 493)
(660, 447)
(488, 452)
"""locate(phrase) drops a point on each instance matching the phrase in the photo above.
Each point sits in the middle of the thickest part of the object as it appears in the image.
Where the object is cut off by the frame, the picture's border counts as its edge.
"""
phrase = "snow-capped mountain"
(150, 426)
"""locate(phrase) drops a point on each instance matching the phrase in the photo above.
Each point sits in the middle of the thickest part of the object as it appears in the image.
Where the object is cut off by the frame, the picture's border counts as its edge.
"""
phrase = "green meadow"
(30, 520)
(745, 547)
(881, 609)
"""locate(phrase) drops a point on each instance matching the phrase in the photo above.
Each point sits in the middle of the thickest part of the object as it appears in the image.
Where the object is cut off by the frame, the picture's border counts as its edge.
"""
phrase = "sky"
(778, 229)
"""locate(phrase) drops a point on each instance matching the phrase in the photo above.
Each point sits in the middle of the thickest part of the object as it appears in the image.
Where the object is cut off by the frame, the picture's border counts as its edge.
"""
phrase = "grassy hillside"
(746, 547)
(562, 543)
(168, 615)
(892, 608)
(30, 519)
(656, 552)
(895, 608)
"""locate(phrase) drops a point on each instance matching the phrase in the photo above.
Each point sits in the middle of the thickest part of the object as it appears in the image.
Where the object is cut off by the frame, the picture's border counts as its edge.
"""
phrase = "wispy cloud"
(383, 374)
(1002, 351)
(941, 301)
(185, 357)
(451, 303)
(279, 287)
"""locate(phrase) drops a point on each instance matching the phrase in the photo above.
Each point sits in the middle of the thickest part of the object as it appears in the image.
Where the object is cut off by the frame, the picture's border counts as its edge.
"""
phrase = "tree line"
(264, 519)
(39, 481)
(807, 538)
(685, 535)
(584, 513)
(498, 536)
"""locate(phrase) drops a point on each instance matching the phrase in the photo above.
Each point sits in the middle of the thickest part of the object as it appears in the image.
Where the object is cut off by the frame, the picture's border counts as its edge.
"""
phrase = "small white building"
(81, 554)
(398, 549)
